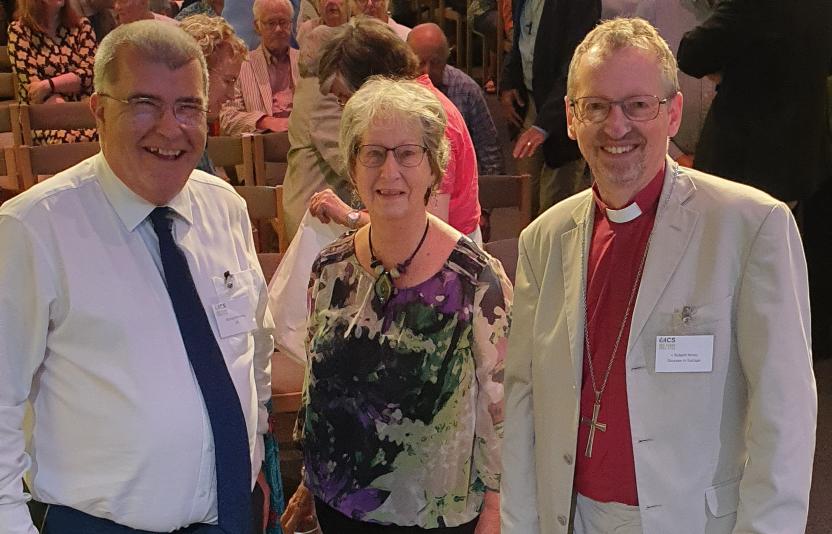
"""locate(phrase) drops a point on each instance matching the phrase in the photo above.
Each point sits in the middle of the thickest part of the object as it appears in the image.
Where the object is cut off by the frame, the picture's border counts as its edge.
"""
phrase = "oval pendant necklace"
(383, 286)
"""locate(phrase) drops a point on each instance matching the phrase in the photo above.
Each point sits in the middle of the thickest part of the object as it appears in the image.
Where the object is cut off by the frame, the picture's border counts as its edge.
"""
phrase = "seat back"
(269, 262)
(505, 250)
(5, 60)
(507, 191)
(8, 87)
(271, 152)
(265, 209)
(234, 151)
(9, 180)
(62, 116)
(32, 161)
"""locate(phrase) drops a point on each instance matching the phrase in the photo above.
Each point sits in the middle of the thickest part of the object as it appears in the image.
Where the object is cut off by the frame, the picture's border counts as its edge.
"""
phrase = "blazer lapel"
(672, 232)
(261, 76)
(574, 250)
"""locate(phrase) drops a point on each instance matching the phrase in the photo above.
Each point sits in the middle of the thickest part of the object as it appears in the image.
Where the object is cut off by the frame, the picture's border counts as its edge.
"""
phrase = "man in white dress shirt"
(95, 264)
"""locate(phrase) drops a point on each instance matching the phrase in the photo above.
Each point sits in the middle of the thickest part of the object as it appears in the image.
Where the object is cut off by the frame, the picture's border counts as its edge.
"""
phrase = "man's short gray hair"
(261, 7)
(154, 41)
(618, 33)
(404, 102)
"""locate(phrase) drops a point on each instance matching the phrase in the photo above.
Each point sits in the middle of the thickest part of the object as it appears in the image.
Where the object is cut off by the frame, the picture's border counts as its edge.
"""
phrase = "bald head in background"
(429, 43)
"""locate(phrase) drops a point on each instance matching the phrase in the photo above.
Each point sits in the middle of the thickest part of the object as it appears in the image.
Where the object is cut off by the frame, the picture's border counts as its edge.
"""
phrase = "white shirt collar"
(624, 215)
(130, 207)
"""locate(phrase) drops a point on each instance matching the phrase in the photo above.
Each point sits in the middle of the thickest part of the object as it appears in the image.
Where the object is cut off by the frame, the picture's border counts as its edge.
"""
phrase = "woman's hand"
(300, 513)
(326, 206)
(489, 522)
(39, 91)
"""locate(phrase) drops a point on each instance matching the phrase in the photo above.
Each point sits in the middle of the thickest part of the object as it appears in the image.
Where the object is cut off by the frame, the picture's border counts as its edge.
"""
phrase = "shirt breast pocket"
(234, 309)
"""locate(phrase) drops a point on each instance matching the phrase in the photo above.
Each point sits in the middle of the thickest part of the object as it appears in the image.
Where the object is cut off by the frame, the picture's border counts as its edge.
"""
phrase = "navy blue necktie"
(228, 424)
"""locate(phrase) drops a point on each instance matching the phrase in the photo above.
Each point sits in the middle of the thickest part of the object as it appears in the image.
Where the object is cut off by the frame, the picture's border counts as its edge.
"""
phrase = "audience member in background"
(224, 52)
(365, 47)
(128, 11)
(52, 50)
(133, 317)
(100, 13)
(767, 126)
(333, 13)
(379, 9)
(532, 91)
(429, 43)
(265, 90)
(658, 376)
(314, 159)
(401, 420)
(482, 16)
(205, 7)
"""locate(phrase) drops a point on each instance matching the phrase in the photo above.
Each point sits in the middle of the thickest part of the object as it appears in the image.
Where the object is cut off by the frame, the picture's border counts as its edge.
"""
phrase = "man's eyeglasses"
(273, 24)
(375, 155)
(639, 108)
(146, 108)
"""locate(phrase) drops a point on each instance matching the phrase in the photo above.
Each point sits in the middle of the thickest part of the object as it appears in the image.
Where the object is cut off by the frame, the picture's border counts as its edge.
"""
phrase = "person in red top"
(363, 48)
(658, 376)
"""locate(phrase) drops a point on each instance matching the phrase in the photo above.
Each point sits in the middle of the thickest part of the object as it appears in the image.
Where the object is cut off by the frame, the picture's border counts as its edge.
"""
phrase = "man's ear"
(570, 120)
(674, 113)
(97, 107)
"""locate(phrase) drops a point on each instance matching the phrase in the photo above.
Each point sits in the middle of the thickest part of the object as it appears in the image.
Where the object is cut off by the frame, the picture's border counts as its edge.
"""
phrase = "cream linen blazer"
(719, 452)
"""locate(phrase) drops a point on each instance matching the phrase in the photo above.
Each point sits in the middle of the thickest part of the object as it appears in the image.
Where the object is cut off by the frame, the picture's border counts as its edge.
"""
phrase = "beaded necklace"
(383, 286)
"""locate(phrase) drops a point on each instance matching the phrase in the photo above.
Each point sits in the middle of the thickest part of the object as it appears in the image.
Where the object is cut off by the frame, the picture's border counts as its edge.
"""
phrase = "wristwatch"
(354, 219)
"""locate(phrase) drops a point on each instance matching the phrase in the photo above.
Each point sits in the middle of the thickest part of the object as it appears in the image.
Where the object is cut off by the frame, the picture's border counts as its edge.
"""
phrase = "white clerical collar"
(624, 215)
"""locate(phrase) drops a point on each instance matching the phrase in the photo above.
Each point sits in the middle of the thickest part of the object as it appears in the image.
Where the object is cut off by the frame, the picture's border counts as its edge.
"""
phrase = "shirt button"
(568, 459)
(562, 520)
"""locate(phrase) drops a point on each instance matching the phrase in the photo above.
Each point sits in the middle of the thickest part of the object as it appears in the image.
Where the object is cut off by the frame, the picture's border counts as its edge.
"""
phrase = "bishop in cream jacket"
(716, 452)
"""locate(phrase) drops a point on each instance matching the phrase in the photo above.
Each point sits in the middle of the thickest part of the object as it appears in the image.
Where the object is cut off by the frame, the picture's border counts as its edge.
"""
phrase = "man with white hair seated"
(265, 90)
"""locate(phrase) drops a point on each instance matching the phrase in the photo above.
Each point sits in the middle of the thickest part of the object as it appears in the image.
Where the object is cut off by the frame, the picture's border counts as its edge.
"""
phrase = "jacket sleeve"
(580, 17)
(518, 490)
(709, 47)
(773, 342)
(234, 118)
(324, 121)
(512, 76)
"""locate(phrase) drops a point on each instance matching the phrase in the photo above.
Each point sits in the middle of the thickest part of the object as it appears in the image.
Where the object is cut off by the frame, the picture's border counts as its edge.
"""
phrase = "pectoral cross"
(593, 424)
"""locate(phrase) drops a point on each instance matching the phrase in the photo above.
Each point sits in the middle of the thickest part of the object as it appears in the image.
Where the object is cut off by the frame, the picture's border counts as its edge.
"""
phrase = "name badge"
(233, 316)
(684, 354)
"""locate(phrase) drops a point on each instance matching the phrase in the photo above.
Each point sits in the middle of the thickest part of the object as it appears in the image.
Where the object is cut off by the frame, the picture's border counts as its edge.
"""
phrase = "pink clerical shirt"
(461, 180)
(615, 256)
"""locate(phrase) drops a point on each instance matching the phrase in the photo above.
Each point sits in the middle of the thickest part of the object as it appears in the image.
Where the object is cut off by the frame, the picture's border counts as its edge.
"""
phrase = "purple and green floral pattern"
(403, 404)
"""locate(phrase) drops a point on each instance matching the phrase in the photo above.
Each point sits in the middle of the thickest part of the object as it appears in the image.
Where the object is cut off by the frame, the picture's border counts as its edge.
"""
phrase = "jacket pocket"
(723, 498)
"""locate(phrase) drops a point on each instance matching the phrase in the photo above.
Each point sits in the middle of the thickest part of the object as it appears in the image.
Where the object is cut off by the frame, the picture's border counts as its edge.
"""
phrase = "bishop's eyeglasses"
(639, 108)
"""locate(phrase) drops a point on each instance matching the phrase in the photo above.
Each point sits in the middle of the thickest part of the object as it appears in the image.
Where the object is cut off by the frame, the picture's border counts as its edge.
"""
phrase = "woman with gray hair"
(401, 420)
